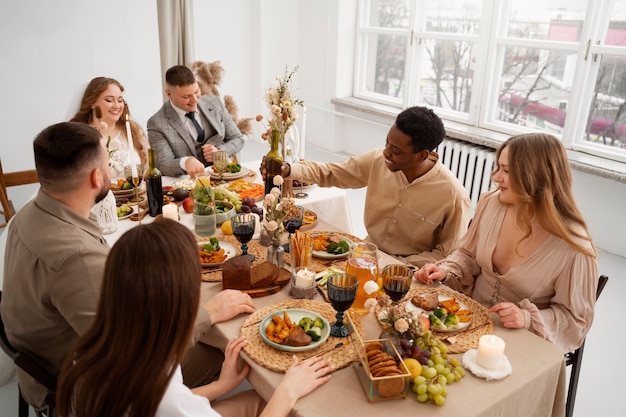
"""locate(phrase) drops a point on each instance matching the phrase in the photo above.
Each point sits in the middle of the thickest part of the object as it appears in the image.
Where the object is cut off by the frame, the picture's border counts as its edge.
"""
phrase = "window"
(511, 66)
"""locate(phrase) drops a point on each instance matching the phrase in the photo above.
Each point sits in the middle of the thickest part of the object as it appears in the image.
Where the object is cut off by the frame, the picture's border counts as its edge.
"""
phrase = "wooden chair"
(575, 359)
(11, 179)
(34, 369)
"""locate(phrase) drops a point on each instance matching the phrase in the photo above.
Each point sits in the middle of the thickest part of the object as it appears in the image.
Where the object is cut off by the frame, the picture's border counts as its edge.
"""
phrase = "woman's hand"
(230, 376)
(301, 378)
(430, 273)
(511, 316)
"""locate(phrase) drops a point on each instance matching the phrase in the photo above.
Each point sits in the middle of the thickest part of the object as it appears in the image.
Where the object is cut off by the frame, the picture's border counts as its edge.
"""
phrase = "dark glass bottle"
(273, 161)
(154, 186)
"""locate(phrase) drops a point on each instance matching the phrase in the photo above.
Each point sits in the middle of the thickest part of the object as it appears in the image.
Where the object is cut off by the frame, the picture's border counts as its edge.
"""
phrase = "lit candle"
(303, 132)
(170, 211)
(129, 136)
(490, 351)
(304, 278)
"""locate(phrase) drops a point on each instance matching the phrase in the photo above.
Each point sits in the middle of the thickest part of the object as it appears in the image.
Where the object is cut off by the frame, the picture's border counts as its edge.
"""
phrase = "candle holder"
(303, 283)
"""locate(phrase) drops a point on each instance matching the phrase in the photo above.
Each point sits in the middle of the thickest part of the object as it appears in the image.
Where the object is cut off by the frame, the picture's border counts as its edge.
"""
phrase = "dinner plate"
(229, 249)
(306, 186)
(132, 210)
(295, 315)
(310, 220)
(409, 306)
(326, 255)
(228, 175)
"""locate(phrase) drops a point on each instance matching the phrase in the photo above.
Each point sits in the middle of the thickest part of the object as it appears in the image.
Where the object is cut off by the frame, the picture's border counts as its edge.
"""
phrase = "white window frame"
(490, 44)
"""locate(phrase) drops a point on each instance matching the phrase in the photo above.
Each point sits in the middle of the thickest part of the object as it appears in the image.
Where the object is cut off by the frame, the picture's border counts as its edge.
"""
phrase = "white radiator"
(472, 165)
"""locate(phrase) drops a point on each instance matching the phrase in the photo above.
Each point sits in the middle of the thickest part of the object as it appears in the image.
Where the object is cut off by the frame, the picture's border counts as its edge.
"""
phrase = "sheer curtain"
(175, 33)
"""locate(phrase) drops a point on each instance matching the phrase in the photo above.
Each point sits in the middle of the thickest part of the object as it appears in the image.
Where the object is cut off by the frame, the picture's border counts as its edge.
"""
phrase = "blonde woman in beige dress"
(527, 255)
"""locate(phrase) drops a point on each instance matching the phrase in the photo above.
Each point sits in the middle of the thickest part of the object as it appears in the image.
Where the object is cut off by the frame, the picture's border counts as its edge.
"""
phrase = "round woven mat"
(481, 324)
(319, 264)
(255, 248)
(280, 361)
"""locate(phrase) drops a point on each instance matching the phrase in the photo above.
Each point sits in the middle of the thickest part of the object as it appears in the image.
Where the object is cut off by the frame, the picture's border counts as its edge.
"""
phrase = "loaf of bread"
(236, 273)
(263, 275)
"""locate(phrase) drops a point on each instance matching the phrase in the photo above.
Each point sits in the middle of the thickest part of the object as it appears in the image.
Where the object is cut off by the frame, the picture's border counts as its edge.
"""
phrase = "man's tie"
(191, 115)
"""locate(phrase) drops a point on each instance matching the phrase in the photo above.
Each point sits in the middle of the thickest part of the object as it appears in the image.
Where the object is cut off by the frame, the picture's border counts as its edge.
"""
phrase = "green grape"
(443, 349)
(431, 363)
(429, 372)
(454, 362)
(440, 369)
(438, 359)
(460, 370)
(434, 389)
(419, 380)
(450, 378)
(439, 399)
(422, 398)
(422, 389)
(444, 390)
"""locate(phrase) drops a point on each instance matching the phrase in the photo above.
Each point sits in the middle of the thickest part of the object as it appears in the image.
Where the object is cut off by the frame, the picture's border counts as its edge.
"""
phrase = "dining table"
(535, 387)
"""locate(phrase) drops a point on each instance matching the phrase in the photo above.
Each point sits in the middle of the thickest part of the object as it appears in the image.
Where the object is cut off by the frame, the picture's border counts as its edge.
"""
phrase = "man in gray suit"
(189, 128)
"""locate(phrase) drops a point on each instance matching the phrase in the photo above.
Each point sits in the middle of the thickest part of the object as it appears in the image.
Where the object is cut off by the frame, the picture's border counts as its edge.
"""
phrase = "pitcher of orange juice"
(363, 263)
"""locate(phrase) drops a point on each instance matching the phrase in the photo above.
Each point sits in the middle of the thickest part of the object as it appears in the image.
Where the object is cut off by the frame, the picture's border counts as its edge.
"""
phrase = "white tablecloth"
(330, 204)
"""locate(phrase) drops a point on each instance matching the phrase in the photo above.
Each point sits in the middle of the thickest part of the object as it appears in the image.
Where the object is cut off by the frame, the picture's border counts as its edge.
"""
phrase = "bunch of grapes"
(438, 370)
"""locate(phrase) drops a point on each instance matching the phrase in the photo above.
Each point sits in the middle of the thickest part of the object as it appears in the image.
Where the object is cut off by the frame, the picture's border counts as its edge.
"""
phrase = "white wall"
(50, 50)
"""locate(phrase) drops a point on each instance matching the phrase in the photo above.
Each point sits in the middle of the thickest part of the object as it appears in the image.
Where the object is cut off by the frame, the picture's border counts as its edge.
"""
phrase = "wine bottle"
(154, 186)
(273, 161)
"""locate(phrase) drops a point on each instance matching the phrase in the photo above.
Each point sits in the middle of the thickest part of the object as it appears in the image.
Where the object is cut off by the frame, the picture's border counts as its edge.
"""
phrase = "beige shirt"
(417, 222)
(53, 268)
(555, 287)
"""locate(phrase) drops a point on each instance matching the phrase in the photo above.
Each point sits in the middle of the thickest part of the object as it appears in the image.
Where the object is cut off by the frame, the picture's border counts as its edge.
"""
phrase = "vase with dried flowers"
(283, 114)
(276, 211)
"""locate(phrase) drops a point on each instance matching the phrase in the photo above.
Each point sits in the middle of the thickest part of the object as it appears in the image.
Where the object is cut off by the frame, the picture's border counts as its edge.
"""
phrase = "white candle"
(170, 211)
(303, 132)
(305, 278)
(131, 148)
(490, 351)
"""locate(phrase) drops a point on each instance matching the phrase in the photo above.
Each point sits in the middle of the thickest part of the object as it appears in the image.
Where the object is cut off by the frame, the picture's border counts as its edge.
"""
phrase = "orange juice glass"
(362, 263)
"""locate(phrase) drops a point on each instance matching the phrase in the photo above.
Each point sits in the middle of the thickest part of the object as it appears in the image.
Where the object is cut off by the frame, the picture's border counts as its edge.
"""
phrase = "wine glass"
(220, 162)
(300, 194)
(136, 181)
(243, 229)
(397, 280)
(341, 290)
(293, 223)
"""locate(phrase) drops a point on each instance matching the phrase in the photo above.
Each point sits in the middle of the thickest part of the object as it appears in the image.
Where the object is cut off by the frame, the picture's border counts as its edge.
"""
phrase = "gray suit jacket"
(171, 140)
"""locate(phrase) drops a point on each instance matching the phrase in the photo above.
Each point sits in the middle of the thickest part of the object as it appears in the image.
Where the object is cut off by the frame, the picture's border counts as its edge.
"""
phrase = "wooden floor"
(599, 390)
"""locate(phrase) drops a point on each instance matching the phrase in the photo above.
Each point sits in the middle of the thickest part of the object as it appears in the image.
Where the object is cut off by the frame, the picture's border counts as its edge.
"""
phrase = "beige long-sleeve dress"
(555, 286)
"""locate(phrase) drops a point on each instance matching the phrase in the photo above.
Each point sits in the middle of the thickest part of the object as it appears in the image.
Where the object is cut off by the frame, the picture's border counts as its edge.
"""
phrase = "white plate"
(409, 306)
(325, 255)
(132, 210)
(295, 315)
(228, 175)
(228, 249)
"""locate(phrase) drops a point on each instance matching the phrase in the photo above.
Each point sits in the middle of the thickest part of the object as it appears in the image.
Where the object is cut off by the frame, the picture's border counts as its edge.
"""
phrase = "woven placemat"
(481, 324)
(255, 248)
(319, 264)
(280, 361)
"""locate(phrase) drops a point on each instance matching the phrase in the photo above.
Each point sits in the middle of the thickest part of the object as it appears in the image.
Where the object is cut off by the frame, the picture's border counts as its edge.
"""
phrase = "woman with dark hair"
(103, 107)
(128, 362)
(528, 255)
